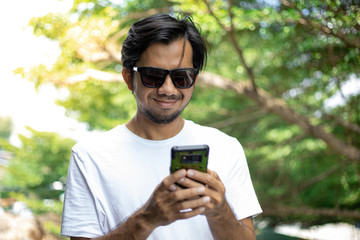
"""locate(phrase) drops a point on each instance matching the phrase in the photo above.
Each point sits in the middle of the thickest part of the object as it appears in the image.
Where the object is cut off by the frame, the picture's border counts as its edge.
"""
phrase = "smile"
(165, 104)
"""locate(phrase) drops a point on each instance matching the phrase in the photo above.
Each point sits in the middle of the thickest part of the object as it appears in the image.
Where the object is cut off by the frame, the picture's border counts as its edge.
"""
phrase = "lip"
(165, 104)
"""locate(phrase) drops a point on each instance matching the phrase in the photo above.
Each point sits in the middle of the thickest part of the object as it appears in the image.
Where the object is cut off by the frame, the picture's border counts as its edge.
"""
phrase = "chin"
(162, 119)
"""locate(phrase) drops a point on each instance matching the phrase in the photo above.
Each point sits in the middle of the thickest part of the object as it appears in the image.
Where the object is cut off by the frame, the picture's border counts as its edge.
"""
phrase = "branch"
(348, 125)
(279, 107)
(231, 34)
(307, 184)
(285, 211)
(317, 178)
(238, 119)
(323, 28)
(94, 74)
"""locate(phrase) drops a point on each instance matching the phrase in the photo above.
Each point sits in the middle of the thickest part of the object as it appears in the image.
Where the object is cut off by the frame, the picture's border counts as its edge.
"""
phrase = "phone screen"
(191, 156)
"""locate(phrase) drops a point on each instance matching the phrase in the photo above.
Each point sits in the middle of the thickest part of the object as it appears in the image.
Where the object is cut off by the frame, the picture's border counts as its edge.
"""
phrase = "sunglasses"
(155, 77)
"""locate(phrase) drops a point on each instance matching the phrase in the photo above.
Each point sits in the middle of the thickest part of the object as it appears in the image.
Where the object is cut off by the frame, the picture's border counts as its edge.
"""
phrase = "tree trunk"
(279, 107)
(285, 211)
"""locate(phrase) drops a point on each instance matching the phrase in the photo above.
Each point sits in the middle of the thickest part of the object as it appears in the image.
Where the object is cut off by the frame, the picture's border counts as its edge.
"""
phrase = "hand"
(215, 190)
(167, 201)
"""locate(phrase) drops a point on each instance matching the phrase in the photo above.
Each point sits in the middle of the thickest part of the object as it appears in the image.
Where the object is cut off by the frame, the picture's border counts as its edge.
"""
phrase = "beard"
(162, 117)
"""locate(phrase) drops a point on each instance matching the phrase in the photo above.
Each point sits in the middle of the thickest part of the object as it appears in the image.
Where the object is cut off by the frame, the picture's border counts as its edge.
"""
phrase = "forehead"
(168, 56)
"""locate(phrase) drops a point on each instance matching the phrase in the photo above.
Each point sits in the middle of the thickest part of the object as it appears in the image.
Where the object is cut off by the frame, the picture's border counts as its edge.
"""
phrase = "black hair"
(162, 28)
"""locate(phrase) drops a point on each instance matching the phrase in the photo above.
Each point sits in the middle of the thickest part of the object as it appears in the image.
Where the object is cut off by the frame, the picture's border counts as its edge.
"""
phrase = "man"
(119, 185)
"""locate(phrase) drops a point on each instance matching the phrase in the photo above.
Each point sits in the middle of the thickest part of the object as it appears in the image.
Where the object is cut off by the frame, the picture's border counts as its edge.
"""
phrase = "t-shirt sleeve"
(240, 192)
(81, 217)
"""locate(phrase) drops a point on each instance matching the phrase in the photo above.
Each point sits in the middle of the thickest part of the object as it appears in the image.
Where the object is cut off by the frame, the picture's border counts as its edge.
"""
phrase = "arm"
(227, 227)
(162, 208)
(221, 219)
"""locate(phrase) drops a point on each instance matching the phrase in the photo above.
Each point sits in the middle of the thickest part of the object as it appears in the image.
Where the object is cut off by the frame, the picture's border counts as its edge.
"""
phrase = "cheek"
(188, 94)
(142, 94)
(135, 84)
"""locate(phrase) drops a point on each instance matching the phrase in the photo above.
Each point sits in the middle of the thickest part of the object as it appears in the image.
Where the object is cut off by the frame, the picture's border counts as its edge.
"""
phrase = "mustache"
(168, 97)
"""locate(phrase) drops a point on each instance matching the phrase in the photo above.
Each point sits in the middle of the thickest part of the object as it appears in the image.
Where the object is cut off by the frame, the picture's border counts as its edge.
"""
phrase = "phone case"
(192, 156)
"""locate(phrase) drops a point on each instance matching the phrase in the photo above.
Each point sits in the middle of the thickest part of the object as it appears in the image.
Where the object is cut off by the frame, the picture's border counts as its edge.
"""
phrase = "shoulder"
(209, 133)
(220, 143)
(97, 140)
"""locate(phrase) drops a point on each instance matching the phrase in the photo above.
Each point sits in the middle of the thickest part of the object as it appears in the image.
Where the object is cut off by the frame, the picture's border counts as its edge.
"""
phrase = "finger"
(189, 183)
(186, 183)
(171, 180)
(173, 188)
(188, 193)
(214, 174)
(192, 213)
(204, 178)
(176, 187)
(193, 203)
(210, 179)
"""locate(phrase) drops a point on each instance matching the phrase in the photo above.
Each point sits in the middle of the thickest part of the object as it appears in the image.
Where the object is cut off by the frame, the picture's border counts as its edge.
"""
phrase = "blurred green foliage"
(6, 127)
(38, 206)
(303, 52)
(41, 160)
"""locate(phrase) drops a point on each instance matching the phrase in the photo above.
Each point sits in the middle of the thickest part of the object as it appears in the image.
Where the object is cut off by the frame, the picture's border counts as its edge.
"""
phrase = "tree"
(272, 69)
(6, 127)
(42, 160)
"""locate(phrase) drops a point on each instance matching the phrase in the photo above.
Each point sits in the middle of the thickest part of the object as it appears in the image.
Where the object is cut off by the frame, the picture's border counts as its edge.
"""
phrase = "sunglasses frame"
(168, 72)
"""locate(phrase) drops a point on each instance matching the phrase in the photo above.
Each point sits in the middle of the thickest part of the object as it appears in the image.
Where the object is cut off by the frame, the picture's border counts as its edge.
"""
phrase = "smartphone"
(191, 156)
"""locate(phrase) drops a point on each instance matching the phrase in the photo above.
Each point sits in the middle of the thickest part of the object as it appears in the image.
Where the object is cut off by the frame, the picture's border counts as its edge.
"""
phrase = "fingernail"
(181, 172)
(172, 188)
(201, 189)
(181, 180)
(206, 199)
(202, 209)
(190, 173)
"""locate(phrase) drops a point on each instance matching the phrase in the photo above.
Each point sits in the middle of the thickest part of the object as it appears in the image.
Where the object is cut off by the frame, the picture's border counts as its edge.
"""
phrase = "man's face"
(164, 104)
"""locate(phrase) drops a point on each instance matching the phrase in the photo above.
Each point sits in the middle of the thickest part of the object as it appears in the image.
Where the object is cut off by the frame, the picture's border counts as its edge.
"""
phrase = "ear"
(127, 78)
(196, 80)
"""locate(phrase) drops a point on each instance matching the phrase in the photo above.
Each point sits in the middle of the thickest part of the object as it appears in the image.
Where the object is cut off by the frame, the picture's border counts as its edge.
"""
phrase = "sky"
(20, 48)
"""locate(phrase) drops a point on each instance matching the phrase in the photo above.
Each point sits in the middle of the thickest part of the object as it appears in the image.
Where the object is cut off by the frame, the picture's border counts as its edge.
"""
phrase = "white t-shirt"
(112, 176)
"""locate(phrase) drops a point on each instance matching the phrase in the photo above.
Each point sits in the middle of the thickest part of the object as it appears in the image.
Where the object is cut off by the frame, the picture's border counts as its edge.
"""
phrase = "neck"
(152, 131)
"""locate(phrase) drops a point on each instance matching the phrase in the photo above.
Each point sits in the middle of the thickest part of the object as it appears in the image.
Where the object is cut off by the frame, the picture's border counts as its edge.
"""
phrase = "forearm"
(226, 226)
(137, 226)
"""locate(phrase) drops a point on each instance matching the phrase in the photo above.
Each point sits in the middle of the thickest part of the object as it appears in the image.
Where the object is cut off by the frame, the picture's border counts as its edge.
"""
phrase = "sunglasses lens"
(153, 77)
(183, 78)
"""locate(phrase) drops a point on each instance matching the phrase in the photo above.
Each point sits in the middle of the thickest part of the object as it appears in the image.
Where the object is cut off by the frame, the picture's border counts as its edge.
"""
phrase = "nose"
(168, 87)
